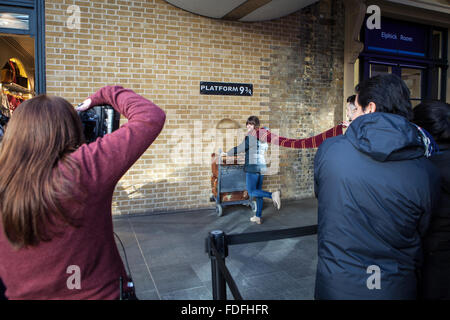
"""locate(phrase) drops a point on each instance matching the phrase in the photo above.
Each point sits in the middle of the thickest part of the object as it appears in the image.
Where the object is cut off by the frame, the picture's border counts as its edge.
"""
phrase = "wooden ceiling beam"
(244, 9)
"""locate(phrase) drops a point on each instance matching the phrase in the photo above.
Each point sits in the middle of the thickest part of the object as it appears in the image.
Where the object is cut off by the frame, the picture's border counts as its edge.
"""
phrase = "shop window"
(376, 69)
(413, 80)
(438, 73)
(436, 46)
(16, 85)
(415, 52)
(22, 37)
(10, 20)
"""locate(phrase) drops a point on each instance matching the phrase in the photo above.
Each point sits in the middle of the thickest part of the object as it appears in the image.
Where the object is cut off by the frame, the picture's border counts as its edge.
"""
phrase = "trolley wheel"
(219, 210)
(254, 206)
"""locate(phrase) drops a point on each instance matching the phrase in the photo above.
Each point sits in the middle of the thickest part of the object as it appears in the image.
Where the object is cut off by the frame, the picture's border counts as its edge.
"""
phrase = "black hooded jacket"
(437, 238)
(435, 275)
(376, 191)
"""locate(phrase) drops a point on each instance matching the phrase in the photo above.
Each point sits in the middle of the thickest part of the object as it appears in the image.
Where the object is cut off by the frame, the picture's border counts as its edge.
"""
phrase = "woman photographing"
(56, 230)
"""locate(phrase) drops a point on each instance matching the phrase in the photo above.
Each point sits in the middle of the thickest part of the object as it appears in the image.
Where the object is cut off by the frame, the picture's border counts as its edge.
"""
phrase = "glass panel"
(11, 20)
(437, 45)
(376, 69)
(412, 78)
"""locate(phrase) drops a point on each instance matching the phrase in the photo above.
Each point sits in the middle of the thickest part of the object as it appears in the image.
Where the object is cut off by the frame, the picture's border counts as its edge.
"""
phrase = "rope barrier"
(220, 273)
(250, 237)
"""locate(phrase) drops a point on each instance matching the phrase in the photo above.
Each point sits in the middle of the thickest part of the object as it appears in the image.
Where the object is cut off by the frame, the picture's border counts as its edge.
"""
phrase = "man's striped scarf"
(265, 135)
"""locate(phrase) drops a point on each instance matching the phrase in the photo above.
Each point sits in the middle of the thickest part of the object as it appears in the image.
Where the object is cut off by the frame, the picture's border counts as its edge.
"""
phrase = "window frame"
(36, 10)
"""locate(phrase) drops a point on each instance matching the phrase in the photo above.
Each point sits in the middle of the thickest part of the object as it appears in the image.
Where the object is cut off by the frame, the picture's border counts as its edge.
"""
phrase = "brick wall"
(162, 52)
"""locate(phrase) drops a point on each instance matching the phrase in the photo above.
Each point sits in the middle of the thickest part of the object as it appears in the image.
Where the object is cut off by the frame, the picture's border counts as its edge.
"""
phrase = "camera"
(98, 121)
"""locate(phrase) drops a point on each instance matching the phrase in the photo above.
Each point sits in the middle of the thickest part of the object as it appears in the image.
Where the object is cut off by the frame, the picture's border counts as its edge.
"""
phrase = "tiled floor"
(167, 258)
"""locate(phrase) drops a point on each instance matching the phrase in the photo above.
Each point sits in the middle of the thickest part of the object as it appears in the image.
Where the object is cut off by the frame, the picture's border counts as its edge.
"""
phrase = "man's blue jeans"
(254, 188)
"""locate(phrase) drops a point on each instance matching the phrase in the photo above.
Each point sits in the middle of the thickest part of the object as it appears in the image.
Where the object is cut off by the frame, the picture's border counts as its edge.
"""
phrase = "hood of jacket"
(386, 137)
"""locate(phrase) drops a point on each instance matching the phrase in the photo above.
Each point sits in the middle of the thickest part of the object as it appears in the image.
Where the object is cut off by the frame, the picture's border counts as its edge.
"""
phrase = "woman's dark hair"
(253, 120)
(351, 99)
(434, 116)
(41, 134)
(388, 91)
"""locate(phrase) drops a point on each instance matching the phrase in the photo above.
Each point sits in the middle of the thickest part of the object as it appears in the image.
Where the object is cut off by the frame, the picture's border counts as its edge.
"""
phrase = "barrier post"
(219, 286)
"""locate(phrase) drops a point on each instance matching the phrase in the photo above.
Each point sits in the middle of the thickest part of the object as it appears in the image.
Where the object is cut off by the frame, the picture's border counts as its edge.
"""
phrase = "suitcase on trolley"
(228, 183)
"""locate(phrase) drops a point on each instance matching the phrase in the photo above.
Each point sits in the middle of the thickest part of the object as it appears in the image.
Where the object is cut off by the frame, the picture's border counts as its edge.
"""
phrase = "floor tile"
(199, 293)
(167, 258)
(142, 278)
(147, 295)
(175, 277)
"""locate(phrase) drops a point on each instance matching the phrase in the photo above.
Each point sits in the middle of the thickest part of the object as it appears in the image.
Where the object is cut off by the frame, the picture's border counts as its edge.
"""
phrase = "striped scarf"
(265, 135)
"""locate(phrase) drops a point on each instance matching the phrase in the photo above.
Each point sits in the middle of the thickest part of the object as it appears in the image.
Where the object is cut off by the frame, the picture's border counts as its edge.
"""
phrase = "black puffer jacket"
(376, 192)
(436, 277)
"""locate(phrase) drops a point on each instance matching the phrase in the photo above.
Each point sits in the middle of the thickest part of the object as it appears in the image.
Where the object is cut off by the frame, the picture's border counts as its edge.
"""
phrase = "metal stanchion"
(217, 240)
(217, 244)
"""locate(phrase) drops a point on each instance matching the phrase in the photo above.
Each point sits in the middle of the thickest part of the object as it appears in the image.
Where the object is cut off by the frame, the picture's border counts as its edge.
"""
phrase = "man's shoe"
(276, 199)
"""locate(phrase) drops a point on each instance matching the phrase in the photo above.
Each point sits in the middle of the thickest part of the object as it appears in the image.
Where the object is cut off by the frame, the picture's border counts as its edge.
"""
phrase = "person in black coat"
(376, 191)
(435, 118)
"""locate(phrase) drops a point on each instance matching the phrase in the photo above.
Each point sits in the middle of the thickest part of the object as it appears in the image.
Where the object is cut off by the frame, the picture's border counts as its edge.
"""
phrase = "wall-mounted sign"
(397, 37)
(227, 89)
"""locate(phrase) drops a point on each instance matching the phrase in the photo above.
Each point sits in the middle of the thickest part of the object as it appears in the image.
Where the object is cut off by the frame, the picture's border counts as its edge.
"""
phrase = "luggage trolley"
(230, 178)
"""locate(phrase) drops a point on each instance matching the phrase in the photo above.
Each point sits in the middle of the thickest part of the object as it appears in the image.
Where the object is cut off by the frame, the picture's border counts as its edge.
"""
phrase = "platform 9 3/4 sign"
(227, 89)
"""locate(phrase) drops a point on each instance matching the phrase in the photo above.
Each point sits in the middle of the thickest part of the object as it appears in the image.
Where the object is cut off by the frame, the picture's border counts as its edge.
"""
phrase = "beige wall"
(161, 52)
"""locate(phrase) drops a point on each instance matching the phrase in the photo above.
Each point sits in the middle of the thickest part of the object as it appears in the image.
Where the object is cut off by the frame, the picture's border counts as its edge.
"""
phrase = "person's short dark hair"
(389, 92)
(351, 99)
(253, 120)
(434, 116)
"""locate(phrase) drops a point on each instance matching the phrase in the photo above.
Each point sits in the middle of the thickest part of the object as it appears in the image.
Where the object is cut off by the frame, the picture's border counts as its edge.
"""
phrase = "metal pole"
(219, 285)
(219, 173)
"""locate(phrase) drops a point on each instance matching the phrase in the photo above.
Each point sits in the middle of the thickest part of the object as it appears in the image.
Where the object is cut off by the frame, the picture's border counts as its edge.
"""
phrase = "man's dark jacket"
(436, 275)
(376, 191)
